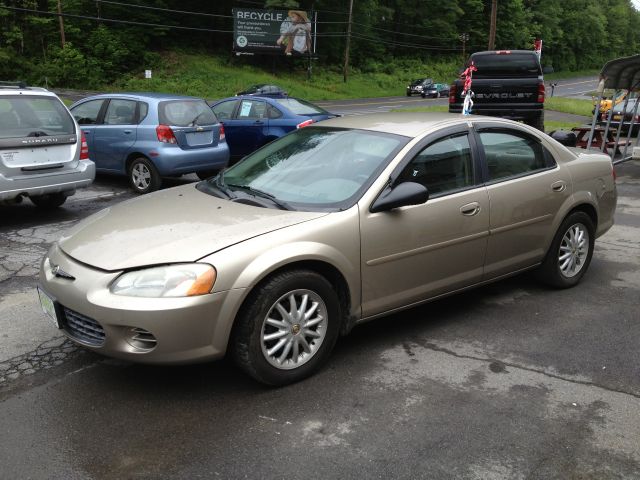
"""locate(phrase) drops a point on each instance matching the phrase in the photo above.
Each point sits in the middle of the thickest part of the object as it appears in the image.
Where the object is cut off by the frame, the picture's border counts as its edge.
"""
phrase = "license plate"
(48, 307)
(616, 117)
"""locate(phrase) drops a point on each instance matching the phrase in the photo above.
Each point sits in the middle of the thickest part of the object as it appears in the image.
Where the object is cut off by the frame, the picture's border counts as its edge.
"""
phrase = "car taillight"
(503, 52)
(452, 93)
(541, 92)
(165, 134)
(222, 137)
(84, 148)
(306, 123)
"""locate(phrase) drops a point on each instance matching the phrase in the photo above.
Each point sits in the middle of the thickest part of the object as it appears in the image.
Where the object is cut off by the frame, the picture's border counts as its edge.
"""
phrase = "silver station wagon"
(322, 229)
(43, 153)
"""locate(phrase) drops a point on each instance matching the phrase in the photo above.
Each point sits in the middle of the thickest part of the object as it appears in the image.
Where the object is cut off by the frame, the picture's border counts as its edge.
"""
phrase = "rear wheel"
(287, 327)
(143, 176)
(49, 201)
(570, 254)
(538, 122)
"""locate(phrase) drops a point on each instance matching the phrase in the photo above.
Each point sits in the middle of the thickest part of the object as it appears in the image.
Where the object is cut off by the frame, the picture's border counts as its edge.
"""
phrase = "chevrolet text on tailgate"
(507, 83)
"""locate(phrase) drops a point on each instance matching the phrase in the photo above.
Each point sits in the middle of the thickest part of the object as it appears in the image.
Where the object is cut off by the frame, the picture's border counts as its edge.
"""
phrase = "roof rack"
(15, 84)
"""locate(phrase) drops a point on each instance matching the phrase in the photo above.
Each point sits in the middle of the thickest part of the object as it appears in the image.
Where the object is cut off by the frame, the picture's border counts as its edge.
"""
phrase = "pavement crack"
(493, 361)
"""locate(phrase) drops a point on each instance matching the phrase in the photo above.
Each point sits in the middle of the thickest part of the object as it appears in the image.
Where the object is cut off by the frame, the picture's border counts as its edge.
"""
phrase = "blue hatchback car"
(150, 135)
(251, 122)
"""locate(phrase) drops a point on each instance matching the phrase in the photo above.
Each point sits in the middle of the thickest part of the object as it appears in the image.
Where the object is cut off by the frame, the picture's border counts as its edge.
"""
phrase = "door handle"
(559, 186)
(86, 132)
(127, 131)
(470, 209)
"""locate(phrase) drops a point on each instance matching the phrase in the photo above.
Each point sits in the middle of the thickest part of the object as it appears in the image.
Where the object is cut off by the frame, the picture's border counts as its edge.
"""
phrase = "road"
(508, 381)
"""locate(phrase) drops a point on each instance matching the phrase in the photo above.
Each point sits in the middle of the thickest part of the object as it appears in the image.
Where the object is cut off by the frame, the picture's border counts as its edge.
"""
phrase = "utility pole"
(62, 40)
(464, 37)
(492, 27)
(346, 48)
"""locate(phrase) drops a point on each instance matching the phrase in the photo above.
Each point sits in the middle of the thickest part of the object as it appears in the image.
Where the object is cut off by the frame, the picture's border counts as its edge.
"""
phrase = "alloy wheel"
(294, 329)
(574, 250)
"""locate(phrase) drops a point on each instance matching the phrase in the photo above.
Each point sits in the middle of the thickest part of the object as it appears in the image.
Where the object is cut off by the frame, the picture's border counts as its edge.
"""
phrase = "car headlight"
(180, 280)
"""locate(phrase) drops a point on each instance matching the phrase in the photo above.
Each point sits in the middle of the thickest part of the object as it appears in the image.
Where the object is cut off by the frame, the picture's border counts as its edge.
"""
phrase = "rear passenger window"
(509, 155)
(444, 166)
(120, 112)
(251, 109)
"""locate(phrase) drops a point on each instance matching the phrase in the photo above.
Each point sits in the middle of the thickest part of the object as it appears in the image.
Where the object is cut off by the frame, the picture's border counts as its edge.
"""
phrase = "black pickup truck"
(508, 84)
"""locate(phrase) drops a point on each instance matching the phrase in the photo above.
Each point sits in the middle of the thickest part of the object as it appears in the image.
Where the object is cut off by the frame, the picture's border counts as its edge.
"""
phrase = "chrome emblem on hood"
(58, 272)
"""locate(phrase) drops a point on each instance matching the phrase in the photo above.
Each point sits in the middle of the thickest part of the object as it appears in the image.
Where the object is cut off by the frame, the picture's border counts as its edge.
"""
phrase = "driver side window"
(443, 166)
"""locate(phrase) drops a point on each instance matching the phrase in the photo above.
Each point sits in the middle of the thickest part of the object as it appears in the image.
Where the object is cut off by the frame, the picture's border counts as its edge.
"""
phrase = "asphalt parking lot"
(508, 381)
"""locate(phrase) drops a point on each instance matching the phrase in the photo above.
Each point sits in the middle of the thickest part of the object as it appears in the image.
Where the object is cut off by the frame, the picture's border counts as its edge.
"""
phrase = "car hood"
(175, 225)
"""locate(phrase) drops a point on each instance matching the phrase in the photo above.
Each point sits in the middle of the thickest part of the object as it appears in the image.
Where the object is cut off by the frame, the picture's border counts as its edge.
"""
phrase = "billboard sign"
(278, 32)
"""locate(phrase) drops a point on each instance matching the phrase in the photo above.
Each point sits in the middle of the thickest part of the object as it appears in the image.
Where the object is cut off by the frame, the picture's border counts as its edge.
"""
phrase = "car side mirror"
(401, 195)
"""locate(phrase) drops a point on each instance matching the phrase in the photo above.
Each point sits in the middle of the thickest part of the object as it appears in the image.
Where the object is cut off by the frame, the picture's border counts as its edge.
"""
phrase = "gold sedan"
(327, 227)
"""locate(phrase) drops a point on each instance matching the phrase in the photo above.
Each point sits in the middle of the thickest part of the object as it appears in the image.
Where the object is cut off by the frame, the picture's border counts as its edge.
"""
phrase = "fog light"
(141, 339)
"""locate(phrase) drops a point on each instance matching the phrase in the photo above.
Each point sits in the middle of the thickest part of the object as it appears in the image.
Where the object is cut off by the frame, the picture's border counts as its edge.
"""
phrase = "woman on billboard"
(295, 33)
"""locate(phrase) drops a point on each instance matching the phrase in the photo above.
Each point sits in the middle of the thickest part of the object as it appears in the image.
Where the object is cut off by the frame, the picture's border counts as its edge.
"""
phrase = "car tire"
(423, 95)
(49, 201)
(408, 94)
(204, 174)
(143, 176)
(269, 340)
(570, 253)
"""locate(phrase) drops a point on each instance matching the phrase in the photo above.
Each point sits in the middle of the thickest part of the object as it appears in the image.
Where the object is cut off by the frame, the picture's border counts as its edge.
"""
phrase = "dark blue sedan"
(251, 122)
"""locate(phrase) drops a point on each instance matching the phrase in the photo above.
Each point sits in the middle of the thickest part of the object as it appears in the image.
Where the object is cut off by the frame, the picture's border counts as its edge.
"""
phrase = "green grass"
(217, 77)
(569, 105)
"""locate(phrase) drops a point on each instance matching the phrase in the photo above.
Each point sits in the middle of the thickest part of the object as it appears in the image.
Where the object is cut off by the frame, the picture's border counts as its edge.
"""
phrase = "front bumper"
(186, 330)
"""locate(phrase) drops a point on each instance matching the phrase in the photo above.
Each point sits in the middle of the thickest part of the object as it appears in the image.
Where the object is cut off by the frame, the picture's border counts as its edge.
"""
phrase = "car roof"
(408, 124)
(144, 96)
(7, 90)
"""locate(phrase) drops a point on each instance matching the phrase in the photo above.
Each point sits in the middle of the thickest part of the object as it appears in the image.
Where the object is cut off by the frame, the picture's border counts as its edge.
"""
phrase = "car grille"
(83, 329)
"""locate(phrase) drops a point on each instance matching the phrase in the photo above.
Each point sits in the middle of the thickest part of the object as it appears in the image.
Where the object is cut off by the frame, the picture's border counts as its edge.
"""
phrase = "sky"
(636, 3)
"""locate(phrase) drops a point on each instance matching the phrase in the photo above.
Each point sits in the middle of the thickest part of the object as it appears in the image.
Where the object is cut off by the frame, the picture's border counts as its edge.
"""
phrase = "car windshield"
(300, 107)
(313, 168)
(418, 82)
(33, 116)
(185, 113)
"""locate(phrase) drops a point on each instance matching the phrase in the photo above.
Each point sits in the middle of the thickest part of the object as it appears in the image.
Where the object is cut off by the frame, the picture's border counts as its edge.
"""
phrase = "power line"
(163, 9)
(111, 20)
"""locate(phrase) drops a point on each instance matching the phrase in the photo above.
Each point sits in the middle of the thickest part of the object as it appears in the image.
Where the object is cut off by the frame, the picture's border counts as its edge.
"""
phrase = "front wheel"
(287, 327)
(143, 176)
(570, 254)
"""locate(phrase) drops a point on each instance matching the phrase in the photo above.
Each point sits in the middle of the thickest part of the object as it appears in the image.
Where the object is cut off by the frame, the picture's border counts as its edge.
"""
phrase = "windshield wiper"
(267, 195)
(38, 133)
(193, 122)
(220, 185)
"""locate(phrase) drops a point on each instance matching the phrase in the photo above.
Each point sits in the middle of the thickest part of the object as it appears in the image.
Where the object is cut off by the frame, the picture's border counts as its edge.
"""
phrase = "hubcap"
(141, 176)
(294, 329)
(574, 249)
